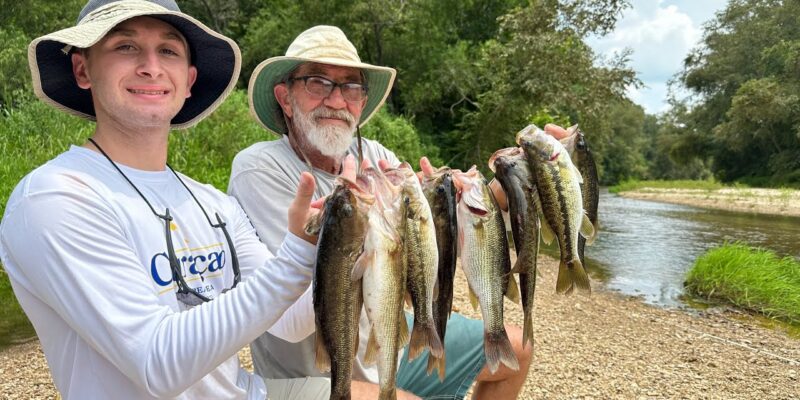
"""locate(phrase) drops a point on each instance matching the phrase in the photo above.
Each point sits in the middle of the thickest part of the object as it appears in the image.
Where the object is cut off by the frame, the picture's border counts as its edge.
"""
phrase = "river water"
(645, 248)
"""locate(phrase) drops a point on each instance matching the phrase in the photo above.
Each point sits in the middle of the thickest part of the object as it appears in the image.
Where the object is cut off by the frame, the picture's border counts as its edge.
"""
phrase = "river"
(645, 248)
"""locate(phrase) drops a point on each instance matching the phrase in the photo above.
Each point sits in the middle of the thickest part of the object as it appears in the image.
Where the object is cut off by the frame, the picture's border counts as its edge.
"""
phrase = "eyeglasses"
(185, 294)
(322, 87)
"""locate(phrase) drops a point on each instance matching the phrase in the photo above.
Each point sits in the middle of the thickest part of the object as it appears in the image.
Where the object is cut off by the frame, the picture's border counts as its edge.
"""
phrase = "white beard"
(329, 140)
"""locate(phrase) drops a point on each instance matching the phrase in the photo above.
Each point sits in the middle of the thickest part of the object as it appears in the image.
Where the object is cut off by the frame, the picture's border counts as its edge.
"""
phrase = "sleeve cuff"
(298, 249)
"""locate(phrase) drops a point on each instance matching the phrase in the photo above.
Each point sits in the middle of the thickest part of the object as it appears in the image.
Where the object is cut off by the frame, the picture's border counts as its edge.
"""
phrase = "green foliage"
(15, 87)
(399, 135)
(205, 152)
(750, 278)
(745, 76)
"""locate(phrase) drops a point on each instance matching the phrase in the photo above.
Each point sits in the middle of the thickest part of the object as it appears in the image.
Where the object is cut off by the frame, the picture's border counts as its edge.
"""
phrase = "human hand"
(302, 210)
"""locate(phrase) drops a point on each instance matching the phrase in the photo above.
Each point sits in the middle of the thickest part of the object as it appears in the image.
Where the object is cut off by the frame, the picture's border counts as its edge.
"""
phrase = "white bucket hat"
(323, 45)
(216, 57)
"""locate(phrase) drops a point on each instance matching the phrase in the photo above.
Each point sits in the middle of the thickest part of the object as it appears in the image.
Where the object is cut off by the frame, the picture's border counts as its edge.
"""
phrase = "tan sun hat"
(216, 57)
(323, 45)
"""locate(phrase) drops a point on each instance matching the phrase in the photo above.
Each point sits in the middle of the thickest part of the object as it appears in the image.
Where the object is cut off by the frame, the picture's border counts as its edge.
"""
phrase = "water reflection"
(646, 247)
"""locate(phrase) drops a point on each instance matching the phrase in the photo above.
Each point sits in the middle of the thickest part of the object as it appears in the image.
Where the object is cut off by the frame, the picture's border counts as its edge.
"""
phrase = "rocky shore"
(604, 346)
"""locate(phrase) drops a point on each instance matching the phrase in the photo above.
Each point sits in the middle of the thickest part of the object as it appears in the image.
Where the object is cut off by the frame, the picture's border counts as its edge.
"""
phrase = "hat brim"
(216, 57)
(266, 110)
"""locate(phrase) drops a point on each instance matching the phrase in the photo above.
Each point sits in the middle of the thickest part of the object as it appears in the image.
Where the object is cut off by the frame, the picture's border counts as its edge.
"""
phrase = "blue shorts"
(463, 344)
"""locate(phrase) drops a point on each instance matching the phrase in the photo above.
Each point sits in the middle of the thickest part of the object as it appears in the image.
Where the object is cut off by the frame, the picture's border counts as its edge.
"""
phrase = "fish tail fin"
(437, 363)
(323, 359)
(498, 350)
(512, 290)
(571, 274)
(424, 336)
(527, 329)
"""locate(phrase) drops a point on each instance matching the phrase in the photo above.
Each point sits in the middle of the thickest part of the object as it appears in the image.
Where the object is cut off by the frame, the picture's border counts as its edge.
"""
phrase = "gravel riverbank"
(784, 202)
(604, 346)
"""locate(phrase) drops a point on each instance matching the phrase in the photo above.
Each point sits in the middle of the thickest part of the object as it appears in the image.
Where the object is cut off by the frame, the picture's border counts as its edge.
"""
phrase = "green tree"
(745, 76)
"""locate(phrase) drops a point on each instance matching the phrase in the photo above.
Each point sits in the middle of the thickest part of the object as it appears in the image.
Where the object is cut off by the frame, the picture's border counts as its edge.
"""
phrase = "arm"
(263, 194)
(79, 261)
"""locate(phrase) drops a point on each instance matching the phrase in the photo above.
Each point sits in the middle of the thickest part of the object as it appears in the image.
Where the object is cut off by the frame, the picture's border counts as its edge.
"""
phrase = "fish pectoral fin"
(323, 359)
(512, 289)
(587, 230)
(371, 354)
(362, 263)
(547, 233)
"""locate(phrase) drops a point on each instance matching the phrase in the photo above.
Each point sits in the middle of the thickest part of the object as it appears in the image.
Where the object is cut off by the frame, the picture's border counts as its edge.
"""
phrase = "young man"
(129, 271)
(314, 98)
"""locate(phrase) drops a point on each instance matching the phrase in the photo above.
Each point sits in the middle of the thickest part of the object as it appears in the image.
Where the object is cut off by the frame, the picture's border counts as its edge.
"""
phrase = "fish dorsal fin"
(587, 230)
(323, 359)
(371, 354)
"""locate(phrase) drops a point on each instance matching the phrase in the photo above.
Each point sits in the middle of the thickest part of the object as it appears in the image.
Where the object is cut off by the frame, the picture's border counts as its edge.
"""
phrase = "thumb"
(425, 166)
(299, 209)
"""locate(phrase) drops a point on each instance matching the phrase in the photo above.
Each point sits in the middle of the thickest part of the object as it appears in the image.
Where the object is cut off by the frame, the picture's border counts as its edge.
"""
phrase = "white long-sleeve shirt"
(88, 263)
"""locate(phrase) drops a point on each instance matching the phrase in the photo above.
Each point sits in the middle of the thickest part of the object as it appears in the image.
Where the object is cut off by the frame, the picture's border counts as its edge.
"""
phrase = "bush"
(399, 135)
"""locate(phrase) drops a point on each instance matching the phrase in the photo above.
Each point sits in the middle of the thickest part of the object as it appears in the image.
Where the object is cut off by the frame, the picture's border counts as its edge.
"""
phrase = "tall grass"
(750, 278)
(661, 184)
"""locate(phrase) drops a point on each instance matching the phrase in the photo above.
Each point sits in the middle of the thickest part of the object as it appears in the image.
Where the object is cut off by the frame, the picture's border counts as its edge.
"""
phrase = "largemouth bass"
(422, 257)
(580, 154)
(558, 184)
(382, 268)
(441, 195)
(483, 247)
(512, 171)
(337, 297)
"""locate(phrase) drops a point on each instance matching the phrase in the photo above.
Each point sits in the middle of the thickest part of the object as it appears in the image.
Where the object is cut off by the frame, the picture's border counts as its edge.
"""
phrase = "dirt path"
(762, 201)
(605, 346)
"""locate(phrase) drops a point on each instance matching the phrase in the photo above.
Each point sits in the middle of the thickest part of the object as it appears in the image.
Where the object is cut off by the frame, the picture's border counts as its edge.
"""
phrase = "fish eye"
(440, 189)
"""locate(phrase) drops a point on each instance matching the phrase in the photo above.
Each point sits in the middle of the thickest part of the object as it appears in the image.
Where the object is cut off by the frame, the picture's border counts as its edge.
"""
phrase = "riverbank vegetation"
(750, 278)
(635, 184)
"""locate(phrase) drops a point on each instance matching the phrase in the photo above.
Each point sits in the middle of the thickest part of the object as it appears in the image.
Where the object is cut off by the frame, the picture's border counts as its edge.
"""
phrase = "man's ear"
(192, 78)
(281, 92)
(80, 70)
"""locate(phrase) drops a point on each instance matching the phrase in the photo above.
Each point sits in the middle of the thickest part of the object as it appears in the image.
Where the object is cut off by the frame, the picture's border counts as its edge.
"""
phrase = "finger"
(555, 131)
(384, 165)
(318, 203)
(349, 167)
(425, 166)
(365, 164)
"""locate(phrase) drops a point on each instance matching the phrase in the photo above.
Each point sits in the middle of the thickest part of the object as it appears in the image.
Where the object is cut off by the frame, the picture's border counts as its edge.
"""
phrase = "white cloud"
(660, 33)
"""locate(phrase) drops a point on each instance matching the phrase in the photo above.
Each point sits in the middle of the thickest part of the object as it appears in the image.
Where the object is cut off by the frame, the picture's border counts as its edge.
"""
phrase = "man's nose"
(149, 64)
(335, 99)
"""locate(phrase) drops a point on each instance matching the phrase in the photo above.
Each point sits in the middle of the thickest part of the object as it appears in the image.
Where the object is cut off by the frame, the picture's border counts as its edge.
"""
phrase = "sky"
(661, 33)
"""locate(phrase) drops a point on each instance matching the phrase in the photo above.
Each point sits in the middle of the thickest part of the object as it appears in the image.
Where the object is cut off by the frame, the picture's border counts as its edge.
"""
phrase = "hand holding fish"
(303, 209)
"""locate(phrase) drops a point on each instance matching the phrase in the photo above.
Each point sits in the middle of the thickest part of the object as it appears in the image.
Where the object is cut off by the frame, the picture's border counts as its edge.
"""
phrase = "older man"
(314, 98)
(128, 270)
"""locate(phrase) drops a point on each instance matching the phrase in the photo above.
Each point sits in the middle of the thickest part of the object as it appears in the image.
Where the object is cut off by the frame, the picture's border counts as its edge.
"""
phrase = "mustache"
(325, 112)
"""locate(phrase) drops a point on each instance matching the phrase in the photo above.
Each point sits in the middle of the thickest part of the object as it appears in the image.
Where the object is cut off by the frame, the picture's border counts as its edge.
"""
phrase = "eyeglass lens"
(321, 87)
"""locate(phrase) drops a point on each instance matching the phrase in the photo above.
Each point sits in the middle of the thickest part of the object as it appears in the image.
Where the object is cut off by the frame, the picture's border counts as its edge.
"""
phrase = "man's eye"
(170, 52)
(125, 47)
